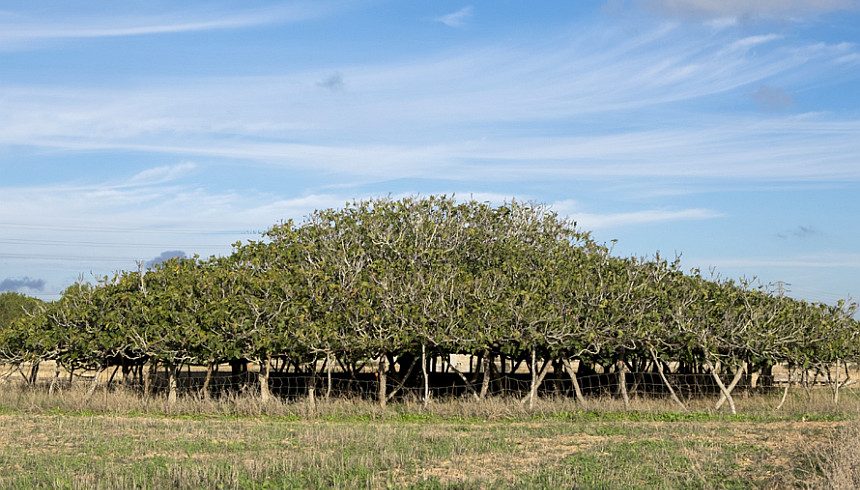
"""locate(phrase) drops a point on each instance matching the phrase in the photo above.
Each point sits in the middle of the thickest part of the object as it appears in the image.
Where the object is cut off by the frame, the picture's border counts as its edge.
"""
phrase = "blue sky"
(724, 130)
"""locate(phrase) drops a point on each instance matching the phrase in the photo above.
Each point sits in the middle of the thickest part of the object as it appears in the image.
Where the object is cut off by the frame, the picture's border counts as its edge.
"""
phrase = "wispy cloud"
(599, 221)
(22, 30)
(780, 149)
(163, 174)
(456, 19)
(491, 84)
(751, 41)
(421, 117)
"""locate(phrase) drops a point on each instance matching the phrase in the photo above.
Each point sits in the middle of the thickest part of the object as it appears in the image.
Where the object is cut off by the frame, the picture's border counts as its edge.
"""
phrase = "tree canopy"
(390, 277)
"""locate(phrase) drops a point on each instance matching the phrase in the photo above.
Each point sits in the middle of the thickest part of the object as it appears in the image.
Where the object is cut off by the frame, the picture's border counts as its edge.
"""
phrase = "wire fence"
(408, 385)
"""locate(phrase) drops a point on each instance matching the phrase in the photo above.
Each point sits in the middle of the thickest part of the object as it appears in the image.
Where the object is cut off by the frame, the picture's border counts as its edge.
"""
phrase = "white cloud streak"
(600, 221)
(163, 174)
(288, 121)
(559, 80)
(456, 19)
(777, 149)
(21, 31)
(592, 221)
(751, 41)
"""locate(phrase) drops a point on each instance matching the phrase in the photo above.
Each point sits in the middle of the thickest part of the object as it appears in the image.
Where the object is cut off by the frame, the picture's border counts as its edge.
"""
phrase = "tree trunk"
(836, 385)
(568, 366)
(207, 380)
(723, 388)
(738, 376)
(55, 379)
(766, 376)
(149, 377)
(95, 382)
(488, 371)
(785, 391)
(424, 372)
(466, 382)
(8, 374)
(312, 392)
(659, 365)
(533, 389)
(112, 376)
(404, 379)
(328, 368)
(171, 383)
(312, 385)
(34, 373)
(265, 394)
(621, 367)
(538, 376)
(382, 370)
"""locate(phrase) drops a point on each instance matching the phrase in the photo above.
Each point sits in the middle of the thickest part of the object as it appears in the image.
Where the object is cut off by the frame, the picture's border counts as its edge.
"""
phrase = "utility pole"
(781, 288)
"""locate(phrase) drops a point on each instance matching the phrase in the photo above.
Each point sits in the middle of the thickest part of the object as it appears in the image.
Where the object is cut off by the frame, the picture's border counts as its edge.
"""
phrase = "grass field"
(117, 440)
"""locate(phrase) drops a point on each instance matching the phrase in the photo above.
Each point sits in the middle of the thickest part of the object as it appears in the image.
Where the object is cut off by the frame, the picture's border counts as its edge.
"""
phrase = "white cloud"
(807, 148)
(456, 19)
(420, 118)
(749, 42)
(598, 221)
(22, 31)
(163, 174)
(494, 84)
(722, 23)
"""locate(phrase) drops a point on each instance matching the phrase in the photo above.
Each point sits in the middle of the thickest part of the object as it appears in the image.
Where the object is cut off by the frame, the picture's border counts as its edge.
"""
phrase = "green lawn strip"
(407, 415)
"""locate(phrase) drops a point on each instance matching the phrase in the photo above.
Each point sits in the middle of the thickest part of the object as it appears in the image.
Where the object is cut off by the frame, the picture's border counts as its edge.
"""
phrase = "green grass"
(116, 440)
(107, 451)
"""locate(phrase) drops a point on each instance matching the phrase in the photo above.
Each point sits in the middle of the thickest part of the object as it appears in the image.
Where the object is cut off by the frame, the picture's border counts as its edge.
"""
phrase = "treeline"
(417, 278)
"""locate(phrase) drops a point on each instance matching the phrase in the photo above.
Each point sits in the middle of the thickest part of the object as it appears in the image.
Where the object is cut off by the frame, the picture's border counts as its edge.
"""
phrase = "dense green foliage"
(14, 306)
(385, 278)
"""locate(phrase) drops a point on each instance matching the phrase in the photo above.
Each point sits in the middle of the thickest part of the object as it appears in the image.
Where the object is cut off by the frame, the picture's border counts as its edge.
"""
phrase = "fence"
(449, 382)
